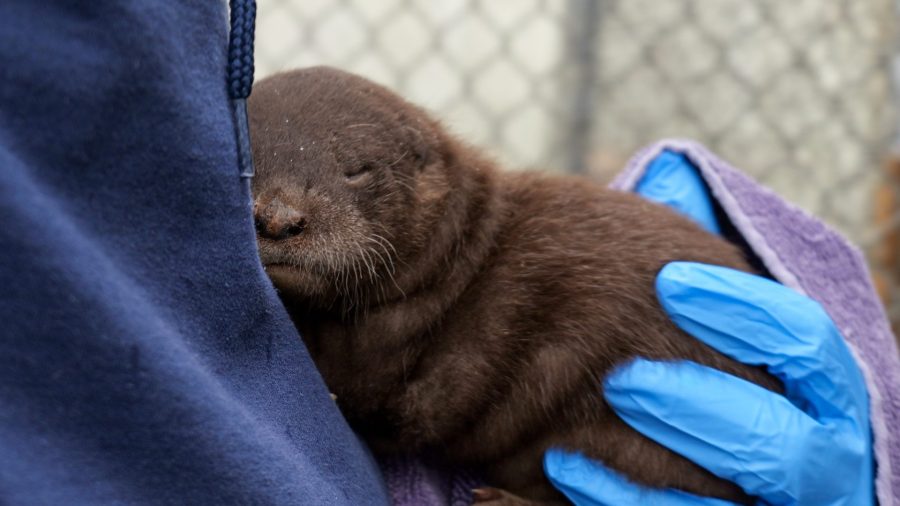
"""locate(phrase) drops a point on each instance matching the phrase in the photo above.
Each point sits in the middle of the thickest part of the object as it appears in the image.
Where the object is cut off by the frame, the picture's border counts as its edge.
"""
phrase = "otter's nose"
(277, 220)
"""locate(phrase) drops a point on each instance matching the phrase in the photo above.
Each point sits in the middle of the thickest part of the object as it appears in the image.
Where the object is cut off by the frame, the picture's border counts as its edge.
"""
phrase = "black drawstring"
(240, 48)
(240, 75)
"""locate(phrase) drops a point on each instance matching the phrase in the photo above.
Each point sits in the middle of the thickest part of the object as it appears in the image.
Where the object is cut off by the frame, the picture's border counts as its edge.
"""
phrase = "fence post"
(583, 22)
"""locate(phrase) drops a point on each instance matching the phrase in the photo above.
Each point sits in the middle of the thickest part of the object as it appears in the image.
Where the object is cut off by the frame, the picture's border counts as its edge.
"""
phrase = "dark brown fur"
(458, 309)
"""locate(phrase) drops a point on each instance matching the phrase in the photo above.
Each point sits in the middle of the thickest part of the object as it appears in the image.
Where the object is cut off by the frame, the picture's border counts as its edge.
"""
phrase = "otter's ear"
(421, 149)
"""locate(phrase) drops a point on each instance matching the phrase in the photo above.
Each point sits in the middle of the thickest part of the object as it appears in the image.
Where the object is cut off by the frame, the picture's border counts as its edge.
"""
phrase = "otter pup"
(460, 310)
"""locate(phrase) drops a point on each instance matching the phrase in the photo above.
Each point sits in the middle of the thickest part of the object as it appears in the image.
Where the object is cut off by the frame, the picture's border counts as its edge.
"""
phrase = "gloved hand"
(811, 447)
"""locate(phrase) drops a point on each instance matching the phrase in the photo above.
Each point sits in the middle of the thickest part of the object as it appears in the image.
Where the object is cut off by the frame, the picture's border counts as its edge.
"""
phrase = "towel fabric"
(144, 355)
(799, 251)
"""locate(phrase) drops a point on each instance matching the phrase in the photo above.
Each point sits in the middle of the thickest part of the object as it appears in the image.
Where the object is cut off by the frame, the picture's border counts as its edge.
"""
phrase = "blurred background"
(801, 94)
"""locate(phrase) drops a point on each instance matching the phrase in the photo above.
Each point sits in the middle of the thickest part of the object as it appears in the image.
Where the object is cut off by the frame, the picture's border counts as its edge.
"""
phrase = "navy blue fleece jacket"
(144, 356)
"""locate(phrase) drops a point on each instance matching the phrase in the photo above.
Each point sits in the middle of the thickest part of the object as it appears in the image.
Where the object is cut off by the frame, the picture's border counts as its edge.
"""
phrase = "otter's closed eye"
(358, 171)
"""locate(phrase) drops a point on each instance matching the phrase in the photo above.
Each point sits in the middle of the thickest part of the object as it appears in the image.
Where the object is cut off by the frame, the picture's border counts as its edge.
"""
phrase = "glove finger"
(671, 179)
(758, 321)
(589, 483)
(735, 429)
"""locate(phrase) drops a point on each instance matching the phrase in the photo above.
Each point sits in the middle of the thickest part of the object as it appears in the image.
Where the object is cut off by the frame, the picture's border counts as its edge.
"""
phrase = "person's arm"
(811, 446)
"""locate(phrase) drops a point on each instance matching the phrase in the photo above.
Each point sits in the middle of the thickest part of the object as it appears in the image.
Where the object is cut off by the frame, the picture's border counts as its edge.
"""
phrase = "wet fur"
(460, 310)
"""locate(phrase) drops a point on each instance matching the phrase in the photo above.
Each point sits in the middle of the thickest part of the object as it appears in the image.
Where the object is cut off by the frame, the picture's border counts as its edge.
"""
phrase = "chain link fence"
(801, 94)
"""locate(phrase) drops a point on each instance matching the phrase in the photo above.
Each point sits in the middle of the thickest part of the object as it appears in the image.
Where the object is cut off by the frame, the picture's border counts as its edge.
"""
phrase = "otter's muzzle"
(277, 220)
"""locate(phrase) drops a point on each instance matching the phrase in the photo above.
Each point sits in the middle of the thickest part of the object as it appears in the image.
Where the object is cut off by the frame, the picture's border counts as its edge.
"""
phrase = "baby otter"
(457, 309)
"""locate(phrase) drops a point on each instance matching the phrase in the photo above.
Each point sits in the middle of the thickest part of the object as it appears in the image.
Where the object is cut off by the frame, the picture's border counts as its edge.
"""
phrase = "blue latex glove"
(672, 180)
(811, 447)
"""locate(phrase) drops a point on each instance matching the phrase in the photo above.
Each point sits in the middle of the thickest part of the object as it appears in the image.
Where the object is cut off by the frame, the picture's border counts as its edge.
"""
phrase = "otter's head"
(349, 183)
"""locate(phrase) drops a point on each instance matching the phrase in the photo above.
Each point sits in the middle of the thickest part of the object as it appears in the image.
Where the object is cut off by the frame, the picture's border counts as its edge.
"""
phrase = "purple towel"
(802, 253)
